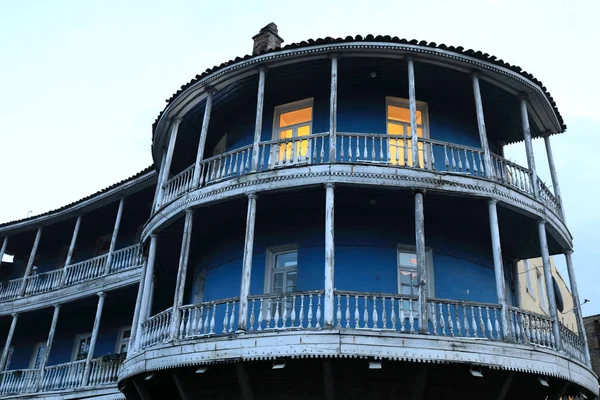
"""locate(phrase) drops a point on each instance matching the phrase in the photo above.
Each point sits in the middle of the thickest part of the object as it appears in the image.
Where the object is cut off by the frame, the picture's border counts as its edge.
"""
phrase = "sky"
(81, 83)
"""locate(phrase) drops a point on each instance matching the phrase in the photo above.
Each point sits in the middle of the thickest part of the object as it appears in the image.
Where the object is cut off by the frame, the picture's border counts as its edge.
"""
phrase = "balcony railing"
(92, 268)
(156, 328)
(359, 148)
(63, 376)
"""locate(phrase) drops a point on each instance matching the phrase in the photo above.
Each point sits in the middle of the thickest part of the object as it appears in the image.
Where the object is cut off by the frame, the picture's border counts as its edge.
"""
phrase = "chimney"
(266, 39)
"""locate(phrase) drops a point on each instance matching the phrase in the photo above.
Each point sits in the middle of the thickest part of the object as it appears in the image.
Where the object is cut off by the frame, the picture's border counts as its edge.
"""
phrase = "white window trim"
(528, 284)
(121, 340)
(78, 338)
(272, 252)
(36, 349)
(405, 103)
(295, 105)
(429, 266)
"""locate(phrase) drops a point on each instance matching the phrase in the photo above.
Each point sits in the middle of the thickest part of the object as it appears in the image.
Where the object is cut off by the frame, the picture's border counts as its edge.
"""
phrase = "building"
(592, 332)
(329, 219)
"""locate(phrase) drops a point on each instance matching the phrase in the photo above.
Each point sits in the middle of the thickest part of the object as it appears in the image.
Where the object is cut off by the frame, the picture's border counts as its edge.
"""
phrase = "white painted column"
(260, 100)
(202, 140)
(7, 344)
(412, 103)
(528, 146)
(329, 305)
(113, 239)
(549, 283)
(92, 348)
(421, 261)
(499, 268)
(333, 109)
(516, 282)
(247, 262)
(63, 278)
(151, 298)
(137, 310)
(487, 158)
(34, 248)
(3, 249)
(166, 166)
(554, 175)
(186, 240)
(146, 296)
(49, 343)
(576, 304)
(159, 179)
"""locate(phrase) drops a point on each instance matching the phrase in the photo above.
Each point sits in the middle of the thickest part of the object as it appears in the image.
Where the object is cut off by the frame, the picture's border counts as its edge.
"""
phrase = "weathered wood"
(412, 104)
(159, 179)
(577, 304)
(529, 147)
(146, 297)
(166, 166)
(421, 261)
(243, 381)
(549, 283)
(333, 108)
(137, 310)
(71, 250)
(516, 278)
(115, 233)
(418, 388)
(183, 387)
(94, 338)
(481, 127)
(184, 254)
(554, 175)
(34, 248)
(329, 255)
(260, 101)
(49, 342)
(506, 385)
(498, 268)
(8, 342)
(247, 262)
(328, 379)
(203, 134)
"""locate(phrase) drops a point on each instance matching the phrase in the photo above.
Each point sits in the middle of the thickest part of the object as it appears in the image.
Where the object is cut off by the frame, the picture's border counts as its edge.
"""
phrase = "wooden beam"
(244, 382)
(419, 385)
(141, 388)
(184, 389)
(506, 386)
(328, 381)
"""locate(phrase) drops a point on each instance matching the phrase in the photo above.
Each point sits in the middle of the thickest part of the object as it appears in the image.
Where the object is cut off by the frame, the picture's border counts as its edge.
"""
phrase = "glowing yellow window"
(398, 123)
(293, 120)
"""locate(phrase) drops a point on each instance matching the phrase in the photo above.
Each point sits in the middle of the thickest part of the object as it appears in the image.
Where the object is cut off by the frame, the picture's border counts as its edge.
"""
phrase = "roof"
(370, 38)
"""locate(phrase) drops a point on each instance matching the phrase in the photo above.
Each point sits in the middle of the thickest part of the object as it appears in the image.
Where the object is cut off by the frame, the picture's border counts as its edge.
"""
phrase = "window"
(281, 273)
(542, 292)
(38, 355)
(527, 273)
(398, 123)
(291, 121)
(220, 146)
(408, 283)
(81, 346)
(123, 340)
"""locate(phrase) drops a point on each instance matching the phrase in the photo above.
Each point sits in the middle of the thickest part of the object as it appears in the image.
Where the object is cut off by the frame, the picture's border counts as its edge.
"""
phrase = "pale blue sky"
(82, 81)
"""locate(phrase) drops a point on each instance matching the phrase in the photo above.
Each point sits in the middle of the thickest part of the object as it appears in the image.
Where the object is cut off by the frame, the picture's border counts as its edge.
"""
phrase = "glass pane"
(285, 134)
(395, 129)
(286, 260)
(396, 113)
(295, 117)
(126, 333)
(290, 284)
(278, 283)
(408, 259)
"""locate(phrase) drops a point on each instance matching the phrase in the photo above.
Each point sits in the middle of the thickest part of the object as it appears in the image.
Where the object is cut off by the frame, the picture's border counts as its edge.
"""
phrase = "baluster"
(252, 316)
(497, 324)
(310, 311)
(375, 315)
(372, 148)
(397, 147)
(450, 323)
(350, 148)
(276, 317)
(206, 323)
(284, 313)
(318, 311)
(393, 314)
(198, 318)
(452, 150)
(293, 316)
(446, 161)
(467, 166)
(301, 317)
(481, 168)
(466, 321)
(365, 157)
(458, 327)
(525, 325)
(402, 316)
(489, 323)
(182, 324)
(432, 156)
(226, 317)
(338, 314)
(322, 157)
(212, 319)
(405, 154)
(433, 318)
(411, 316)
(313, 146)
(475, 171)
(260, 316)
(380, 149)
(232, 317)
(514, 324)
(442, 322)
(425, 155)
(235, 163)
(481, 323)
(294, 155)
(342, 149)
(365, 313)
(243, 163)
(473, 322)
(356, 313)
(263, 157)
(383, 314)
(268, 318)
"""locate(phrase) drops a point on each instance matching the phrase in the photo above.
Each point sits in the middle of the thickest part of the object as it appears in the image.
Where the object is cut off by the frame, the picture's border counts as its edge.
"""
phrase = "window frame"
(402, 248)
(293, 106)
(36, 349)
(528, 283)
(272, 254)
(78, 338)
(121, 340)
(405, 103)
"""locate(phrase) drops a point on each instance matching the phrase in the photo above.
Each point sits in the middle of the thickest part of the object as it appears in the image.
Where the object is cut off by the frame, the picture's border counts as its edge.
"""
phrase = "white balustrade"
(548, 199)
(227, 165)
(86, 270)
(209, 318)
(126, 258)
(104, 372)
(301, 310)
(178, 184)
(512, 174)
(532, 328)
(572, 344)
(156, 329)
(464, 319)
(287, 152)
(43, 282)
(63, 376)
(19, 381)
(10, 290)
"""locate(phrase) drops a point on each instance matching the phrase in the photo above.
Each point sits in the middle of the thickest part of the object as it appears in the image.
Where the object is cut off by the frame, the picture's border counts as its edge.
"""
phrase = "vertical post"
(148, 275)
(554, 175)
(329, 255)
(481, 126)
(498, 268)
(137, 311)
(421, 261)
(113, 239)
(92, 348)
(516, 282)
(159, 180)
(549, 283)
(202, 140)
(412, 103)
(576, 304)
(182, 271)
(151, 298)
(11, 332)
(34, 248)
(247, 262)
(166, 165)
(260, 99)
(333, 109)
(3, 249)
(49, 343)
(63, 278)
(529, 147)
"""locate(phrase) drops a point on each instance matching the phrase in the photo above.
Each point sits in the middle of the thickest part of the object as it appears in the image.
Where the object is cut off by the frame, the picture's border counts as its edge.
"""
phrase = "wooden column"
(329, 305)
(260, 99)
(34, 248)
(137, 311)
(63, 278)
(11, 332)
(516, 282)
(577, 304)
(499, 268)
(487, 158)
(3, 249)
(166, 166)
(202, 140)
(412, 103)
(247, 262)
(159, 180)
(148, 275)
(92, 348)
(182, 271)
(49, 343)
(549, 283)
(554, 175)
(421, 261)
(528, 146)
(115, 233)
(333, 109)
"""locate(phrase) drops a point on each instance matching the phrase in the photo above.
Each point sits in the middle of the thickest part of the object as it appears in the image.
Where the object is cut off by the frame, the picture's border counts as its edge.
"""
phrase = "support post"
(202, 140)
(149, 274)
(243, 381)
(34, 248)
(182, 272)
(577, 304)
(333, 109)
(499, 269)
(183, 387)
(11, 332)
(421, 261)
(166, 166)
(3, 249)
(137, 311)
(49, 343)
(329, 305)
(516, 282)
(63, 278)
(260, 99)
(554, 175)
(159, 180)
(92, 348)
(247, 262)
(113, 239)
(549, 283)
(487, 158)
(412, 103)
(529, 147)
